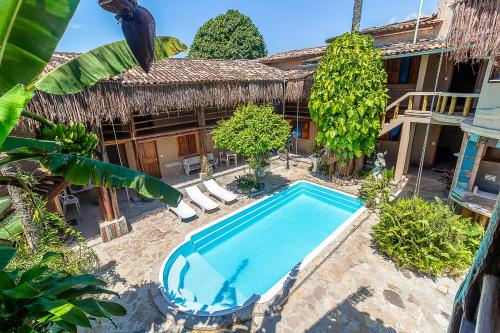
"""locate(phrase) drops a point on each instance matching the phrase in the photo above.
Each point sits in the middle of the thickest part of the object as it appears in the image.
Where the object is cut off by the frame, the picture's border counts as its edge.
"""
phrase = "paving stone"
(393, 297)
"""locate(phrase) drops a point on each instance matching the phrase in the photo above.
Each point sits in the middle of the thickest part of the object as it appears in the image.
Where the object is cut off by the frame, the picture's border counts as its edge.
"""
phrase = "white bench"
(194, 163)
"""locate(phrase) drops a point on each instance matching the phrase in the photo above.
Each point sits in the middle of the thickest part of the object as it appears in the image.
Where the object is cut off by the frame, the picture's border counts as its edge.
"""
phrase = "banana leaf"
(80, 170)
(11, 105)
(29, 33)
(99, 64)
(15, 142)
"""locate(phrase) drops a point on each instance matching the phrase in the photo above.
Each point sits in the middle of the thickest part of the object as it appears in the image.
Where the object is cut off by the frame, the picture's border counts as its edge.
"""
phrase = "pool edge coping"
(278, 286)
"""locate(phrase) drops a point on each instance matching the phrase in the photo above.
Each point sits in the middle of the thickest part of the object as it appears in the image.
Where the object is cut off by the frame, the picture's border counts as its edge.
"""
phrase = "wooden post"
(443, 104)
(203, 131)
(424, 103)
(113, 225)
(488, 314)
(396, 112)
(438, 104)
(410, 103)
(468, 103)
(452, 105)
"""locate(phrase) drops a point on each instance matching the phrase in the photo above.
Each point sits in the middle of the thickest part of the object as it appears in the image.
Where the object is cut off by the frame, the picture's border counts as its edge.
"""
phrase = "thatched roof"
(171, 84)
(475, 30)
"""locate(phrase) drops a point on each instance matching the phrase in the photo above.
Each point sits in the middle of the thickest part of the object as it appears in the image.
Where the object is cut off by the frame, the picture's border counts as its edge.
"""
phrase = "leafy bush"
(427, 237)
(348, 99)
(377, 192)
(247, 183)
(37, 300)
(253, 132)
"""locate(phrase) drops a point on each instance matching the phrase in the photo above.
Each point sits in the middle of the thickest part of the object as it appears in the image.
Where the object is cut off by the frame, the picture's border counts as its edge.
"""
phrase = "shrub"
(247, 183)
(377, 192)
(427, 237)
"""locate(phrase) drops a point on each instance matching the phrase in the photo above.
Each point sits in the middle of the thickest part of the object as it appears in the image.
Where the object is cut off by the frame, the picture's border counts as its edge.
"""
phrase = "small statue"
(379, 166)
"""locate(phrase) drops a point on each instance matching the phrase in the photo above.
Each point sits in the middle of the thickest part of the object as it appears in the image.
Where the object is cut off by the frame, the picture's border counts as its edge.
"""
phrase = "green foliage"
(248, 183)
(349, 96)
(377, 192)
(15, 142)
(80, 170)
(57, 236)
(11, 105)
(37, 299)
(427, 237)
(10, 227)
(29, 33)
(99, 64)
(75, 138)
(253, 132)
(228, 36)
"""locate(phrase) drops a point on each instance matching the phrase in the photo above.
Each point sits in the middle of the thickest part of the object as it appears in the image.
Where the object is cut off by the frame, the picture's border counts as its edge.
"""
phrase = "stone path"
(353, 289)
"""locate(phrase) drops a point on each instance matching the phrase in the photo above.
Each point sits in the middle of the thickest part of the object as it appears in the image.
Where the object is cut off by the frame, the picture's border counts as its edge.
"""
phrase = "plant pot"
(315, 161)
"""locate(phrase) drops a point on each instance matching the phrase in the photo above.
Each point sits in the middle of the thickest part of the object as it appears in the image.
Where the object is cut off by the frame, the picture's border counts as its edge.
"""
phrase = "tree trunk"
(356, 15)
(24, 208)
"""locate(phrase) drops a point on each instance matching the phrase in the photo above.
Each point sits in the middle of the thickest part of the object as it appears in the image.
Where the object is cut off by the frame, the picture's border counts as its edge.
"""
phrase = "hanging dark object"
(138, 26)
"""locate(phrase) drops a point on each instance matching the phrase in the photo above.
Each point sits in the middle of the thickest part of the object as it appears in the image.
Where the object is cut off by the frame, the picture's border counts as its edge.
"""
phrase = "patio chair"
(183, 211)
(69, 199)
(219, 192)
(200, 199)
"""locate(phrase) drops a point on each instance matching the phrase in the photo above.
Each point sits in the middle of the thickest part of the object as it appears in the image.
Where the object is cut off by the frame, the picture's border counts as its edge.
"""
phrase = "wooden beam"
(202, 137)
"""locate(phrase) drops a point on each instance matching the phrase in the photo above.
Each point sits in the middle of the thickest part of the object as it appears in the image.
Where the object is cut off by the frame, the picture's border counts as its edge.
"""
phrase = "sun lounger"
(219, 192)
(183, 211)
(200, 199)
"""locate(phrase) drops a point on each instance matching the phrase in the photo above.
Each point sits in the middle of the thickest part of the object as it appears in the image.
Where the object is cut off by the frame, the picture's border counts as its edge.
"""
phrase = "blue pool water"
(243, 256)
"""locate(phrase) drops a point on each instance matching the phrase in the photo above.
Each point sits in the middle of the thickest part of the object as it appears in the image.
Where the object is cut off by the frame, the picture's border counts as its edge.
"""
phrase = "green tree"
(228, 36)
(253, 132)
(348, 99)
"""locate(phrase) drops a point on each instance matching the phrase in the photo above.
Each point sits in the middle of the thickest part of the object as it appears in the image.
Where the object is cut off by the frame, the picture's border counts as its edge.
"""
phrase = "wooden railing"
(444, 102)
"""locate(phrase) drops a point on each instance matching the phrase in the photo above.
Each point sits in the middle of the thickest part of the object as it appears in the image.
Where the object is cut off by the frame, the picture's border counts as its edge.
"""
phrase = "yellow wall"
(418, 143)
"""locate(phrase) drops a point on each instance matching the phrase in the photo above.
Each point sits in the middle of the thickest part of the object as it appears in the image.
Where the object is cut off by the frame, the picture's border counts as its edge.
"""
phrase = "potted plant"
(316, 156)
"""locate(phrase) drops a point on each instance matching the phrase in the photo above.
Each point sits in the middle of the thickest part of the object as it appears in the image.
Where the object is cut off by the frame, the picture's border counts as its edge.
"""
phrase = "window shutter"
(183, 145)
(192, 144)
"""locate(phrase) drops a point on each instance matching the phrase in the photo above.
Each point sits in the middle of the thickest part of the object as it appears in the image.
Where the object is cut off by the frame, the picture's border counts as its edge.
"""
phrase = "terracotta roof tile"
(302, 53)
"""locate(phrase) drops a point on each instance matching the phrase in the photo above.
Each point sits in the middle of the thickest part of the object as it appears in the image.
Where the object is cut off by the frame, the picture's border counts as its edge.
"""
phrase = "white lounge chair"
(183, 211)
(219, 192)
(200, 199)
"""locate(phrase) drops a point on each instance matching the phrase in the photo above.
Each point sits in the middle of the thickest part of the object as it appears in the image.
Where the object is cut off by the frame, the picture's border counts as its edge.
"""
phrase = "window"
(303, 129)
(186, 145)
(402, 70)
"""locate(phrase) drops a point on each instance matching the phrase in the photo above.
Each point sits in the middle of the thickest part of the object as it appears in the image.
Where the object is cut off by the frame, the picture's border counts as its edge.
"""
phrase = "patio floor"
(349, 287)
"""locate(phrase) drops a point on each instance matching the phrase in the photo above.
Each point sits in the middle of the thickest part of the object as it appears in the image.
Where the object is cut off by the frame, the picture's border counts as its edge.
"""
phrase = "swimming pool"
(246, 256)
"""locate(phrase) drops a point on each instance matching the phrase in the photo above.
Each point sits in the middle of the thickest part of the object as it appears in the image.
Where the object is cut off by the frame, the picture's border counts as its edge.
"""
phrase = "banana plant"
(24, 53)
(36, 300)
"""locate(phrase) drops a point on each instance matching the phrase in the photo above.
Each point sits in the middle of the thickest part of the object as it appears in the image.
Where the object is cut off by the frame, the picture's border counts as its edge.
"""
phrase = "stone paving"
(349, 287)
